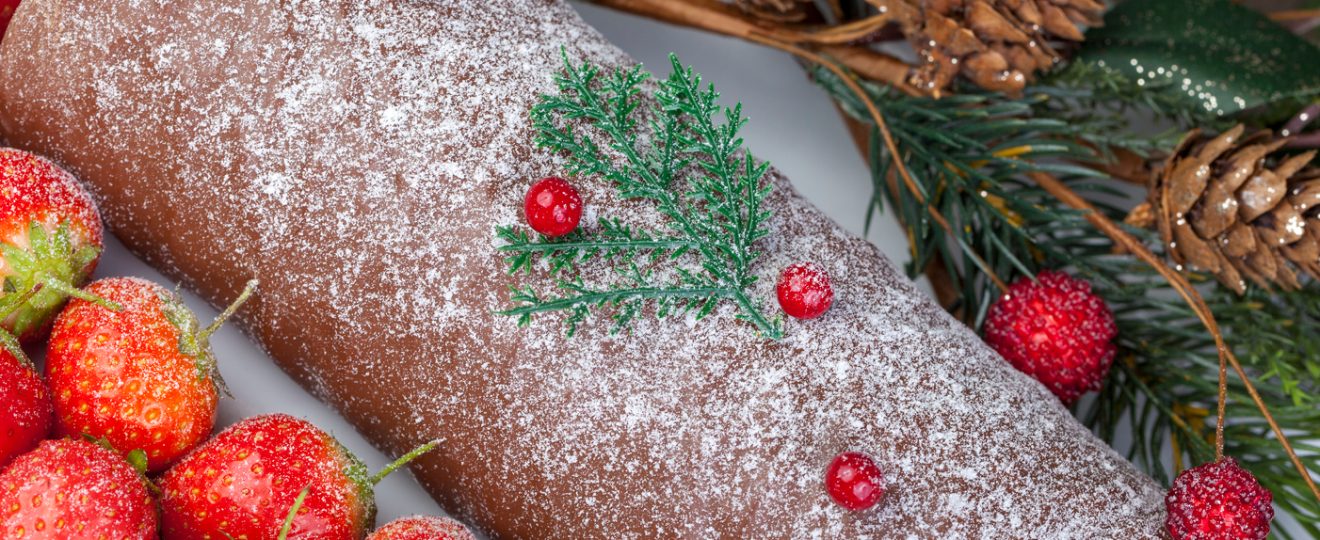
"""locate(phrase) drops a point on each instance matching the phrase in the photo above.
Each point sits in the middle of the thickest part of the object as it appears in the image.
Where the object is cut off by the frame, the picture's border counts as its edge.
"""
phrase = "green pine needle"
(710, 196)
(967, 152)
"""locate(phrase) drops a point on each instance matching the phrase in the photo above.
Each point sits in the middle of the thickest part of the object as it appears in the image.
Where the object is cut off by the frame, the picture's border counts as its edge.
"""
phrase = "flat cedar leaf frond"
(967, 154)
(714, 216)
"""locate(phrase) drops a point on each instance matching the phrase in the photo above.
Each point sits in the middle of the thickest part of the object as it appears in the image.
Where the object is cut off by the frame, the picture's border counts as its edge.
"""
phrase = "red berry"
(1218, 501)
(24, 408)
(7, 8)
(72, 489)
(422, 528)
(54, 230)
(142, 378)
(553, 207)
(804, 290)
(244, 480)
(1056, 331)
(854, 481)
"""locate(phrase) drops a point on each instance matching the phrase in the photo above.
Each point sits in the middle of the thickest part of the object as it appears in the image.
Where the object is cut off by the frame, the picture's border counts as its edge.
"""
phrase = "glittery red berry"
(854, 481)
(1218, 501)
(804, 290)
(1055, 331)
(553, 207)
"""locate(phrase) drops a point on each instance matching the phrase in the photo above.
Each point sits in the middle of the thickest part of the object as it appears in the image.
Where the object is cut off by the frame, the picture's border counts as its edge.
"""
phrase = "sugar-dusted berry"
(854, 481)
(1218, 501)
(804, 290)
(24, 408)
(75, 490)
(143, 379)
(1056, 331)
(422, 528)
(553, 207)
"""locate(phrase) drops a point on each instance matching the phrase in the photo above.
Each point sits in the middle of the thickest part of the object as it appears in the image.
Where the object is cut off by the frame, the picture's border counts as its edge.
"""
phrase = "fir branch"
(718, 218)
(968, 153)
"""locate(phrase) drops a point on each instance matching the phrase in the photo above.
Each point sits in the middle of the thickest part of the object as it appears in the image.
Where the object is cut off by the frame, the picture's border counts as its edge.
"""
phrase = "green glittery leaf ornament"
(1225, 56)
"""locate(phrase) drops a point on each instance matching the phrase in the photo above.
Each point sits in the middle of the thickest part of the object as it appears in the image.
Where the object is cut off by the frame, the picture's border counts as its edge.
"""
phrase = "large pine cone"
(1222, 208)
(998, 44)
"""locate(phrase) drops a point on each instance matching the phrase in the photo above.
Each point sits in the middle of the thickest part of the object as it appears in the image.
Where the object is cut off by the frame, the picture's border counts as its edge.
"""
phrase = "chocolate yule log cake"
(357, 156)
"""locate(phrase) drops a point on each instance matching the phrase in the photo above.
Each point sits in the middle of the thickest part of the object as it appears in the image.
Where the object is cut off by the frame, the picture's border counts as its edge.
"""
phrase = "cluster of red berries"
(553, 208)
(130, 370)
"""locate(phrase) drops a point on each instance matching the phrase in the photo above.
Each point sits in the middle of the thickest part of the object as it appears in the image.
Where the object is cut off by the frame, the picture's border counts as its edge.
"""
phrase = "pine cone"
(775, 10)
(998, 44)
(1221, 208)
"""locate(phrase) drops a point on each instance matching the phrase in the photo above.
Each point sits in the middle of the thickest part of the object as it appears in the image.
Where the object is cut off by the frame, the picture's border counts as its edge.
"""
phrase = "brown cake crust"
(356, 156)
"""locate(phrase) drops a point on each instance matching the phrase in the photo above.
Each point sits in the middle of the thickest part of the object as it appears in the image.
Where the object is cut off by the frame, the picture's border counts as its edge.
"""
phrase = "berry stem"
(376, 478)
(7, 340)
(75, 292)
(250, 288)
(293, 511)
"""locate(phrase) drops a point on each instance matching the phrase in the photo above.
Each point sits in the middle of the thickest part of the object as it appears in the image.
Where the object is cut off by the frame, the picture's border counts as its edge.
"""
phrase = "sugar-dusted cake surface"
(356, 156)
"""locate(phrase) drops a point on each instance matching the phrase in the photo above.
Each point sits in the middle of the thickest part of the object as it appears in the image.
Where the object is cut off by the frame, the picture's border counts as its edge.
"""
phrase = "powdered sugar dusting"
(357, 156)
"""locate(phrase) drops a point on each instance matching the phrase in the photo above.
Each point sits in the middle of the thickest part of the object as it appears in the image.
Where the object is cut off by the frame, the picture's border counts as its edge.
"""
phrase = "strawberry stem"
(7, 340)
(75, 292)
(229, 312)
(375, 479)
(297, 504)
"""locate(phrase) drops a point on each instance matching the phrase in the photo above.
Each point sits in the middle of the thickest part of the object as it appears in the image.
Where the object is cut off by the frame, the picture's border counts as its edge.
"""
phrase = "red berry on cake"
(7, 8)
(24, 408)
(70, 489)
(854, 481)
(143, 379)
(804, 290)
(1056, 331)
(50, 233)
(553, 207)
(1218, 501)
(243, 482)
(422, 528)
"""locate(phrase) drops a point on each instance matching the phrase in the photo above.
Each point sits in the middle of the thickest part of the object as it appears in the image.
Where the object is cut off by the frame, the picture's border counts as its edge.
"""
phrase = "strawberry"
(422, 528)
(75, 490)
(144, 378)
(50, 234)
(24, 407)
(242, 482)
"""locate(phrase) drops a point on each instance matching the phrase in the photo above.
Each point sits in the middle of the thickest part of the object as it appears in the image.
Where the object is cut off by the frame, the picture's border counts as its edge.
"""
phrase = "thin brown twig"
(1295, 15)
(1193, 299)
(889, 143)
(720, 18)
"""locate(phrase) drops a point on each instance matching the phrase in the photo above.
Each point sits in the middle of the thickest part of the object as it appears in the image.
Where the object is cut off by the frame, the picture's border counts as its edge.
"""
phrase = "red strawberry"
(7, 8)
(75, 490)
(24, 408)
(50, 233)
(243, 481)
(422, 528)
(143, 378)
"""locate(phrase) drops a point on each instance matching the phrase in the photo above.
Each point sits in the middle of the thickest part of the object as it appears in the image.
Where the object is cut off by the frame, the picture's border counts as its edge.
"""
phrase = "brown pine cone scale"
(1238, 208)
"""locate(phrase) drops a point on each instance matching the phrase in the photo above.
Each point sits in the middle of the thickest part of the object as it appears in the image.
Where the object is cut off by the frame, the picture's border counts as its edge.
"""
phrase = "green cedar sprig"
(967, 153)
(718, 218)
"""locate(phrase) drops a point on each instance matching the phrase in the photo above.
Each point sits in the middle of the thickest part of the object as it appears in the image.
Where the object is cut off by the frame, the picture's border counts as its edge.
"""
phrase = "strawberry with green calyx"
(144, 378)
(70, 489)
(236, 484)
(50, 234)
